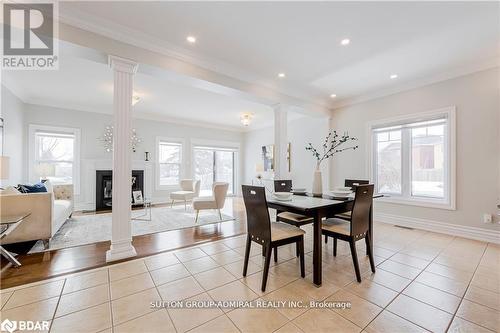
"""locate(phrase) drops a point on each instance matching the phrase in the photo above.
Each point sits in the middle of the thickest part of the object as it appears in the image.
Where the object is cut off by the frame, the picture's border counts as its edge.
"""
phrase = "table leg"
(317, 250)
(9, 257)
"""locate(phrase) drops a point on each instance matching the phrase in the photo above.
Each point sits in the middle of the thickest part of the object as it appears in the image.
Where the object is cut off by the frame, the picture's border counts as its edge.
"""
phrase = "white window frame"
(228, 145)
(182, 169)
(33, 129)
(449, 201)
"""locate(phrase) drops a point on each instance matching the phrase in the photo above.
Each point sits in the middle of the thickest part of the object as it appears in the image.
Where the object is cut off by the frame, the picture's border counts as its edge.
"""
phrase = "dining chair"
(216, 201)
(270, 235)
(352, 183)
(354, 229)
(287, 217)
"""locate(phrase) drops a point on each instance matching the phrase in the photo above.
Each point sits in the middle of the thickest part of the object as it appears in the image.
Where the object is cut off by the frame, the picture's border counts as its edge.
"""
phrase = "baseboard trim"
(491, 236)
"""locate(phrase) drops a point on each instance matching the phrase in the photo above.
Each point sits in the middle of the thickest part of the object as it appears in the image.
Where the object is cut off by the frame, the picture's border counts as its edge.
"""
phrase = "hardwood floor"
(44, 265)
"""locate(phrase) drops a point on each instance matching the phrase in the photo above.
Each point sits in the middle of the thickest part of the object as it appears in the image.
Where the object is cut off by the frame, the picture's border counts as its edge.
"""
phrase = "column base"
(120, 250)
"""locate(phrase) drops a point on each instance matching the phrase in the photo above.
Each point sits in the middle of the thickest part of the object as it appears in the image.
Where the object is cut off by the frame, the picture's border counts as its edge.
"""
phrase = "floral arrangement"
(332, 145)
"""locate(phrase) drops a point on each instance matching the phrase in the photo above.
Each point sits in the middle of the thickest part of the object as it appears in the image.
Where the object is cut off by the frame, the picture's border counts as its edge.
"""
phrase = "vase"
(317, 187)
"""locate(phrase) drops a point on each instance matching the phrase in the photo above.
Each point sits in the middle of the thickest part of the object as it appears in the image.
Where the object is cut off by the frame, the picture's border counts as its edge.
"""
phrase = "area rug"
(92, 228)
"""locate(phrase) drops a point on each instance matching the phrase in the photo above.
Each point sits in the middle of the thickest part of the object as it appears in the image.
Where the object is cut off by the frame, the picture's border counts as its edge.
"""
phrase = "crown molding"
(422, 82)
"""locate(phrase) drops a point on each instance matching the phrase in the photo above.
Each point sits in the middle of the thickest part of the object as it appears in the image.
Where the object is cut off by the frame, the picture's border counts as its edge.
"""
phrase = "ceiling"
(418, 41)
(86, 85)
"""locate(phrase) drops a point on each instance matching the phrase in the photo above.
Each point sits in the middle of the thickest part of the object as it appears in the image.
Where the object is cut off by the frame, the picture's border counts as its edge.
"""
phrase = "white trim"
(184, 162)
(485, 235)
(33, 128)
(449, 202)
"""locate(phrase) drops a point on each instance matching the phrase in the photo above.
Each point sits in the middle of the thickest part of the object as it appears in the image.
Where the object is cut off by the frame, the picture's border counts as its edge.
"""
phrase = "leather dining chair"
(270, 235)
(287, 217)
(354, 229)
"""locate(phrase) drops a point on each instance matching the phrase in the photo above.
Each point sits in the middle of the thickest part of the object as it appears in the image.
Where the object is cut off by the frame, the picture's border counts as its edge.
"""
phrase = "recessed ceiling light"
(393, 76)
(191, 39)
(333, 95)
(345, 41)
(281, 75)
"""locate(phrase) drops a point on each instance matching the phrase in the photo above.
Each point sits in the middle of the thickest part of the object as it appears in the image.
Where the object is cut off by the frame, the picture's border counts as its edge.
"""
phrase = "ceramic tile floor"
(424, 282)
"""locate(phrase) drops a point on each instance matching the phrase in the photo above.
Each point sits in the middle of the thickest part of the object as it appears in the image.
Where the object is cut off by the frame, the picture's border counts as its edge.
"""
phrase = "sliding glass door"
(214, 165)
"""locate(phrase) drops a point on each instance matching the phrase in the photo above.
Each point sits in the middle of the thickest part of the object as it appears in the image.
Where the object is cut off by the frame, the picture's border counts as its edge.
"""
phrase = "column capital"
(122, 64)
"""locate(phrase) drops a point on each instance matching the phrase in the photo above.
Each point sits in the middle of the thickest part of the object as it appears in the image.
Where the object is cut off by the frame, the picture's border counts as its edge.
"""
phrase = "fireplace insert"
(104, 187)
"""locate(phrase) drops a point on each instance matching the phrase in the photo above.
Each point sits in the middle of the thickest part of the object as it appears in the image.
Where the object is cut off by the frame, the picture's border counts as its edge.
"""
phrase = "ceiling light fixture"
(393, 76)
(246, 118)
(281, 75)
(345, 41)
(333, 95)
(191, 39)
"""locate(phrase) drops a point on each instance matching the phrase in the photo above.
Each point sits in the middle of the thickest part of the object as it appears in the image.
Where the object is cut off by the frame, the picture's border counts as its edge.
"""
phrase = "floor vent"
(402, 227)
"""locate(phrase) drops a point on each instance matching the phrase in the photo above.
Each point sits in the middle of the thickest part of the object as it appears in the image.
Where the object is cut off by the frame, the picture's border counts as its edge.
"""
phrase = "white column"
(280, 142)
(121, 233)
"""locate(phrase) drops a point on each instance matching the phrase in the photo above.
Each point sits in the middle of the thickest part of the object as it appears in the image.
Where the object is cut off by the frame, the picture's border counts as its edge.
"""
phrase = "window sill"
(418, 203)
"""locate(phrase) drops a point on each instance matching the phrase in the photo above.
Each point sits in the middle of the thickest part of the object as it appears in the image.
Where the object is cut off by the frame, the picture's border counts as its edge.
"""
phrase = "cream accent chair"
(216, 201)
(189, 190)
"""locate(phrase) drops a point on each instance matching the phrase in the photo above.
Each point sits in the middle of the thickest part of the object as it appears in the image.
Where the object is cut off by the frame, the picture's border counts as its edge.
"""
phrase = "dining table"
(318, 208)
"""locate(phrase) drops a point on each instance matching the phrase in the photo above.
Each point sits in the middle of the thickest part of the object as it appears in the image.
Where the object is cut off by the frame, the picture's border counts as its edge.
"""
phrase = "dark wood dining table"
(317, 208)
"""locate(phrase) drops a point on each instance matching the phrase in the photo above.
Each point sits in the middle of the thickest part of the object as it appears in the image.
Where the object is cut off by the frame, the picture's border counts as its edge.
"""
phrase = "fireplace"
(104, 187)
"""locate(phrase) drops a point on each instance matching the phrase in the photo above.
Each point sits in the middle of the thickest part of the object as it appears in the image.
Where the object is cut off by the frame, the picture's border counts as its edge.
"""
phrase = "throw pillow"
(28, 188)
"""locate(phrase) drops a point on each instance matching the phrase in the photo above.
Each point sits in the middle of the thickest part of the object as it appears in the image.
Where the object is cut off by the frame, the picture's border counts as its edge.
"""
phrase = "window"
(54, 154)
(413, 159)
(169, 163)
(214, 165)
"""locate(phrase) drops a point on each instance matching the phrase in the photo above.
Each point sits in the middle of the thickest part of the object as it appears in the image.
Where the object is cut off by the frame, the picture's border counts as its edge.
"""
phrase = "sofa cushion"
(9, 190)
(29, 188)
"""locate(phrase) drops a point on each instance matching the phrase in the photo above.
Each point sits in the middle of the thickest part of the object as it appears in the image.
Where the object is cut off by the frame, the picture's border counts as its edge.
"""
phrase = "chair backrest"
(360, 215)
(258, 221)
(220, 191)
(197, 185)
(283, 185)
(186, 184)
(352, 183)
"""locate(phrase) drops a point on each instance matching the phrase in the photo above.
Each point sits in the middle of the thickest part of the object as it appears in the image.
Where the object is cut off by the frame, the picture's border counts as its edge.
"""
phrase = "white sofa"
(48, 211)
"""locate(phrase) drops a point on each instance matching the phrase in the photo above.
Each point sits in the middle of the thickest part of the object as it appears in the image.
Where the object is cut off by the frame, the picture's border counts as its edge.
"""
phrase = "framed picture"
(268, 157)
(137, 195)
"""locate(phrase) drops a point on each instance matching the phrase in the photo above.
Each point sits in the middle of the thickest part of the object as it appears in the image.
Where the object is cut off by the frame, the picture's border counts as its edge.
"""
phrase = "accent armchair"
(189, 190)
(219, 191)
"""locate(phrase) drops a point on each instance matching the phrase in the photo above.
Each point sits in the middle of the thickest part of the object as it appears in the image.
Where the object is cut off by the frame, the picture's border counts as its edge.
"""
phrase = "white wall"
(12, 111)
(92, 128)
(300, 132)
(476, 98)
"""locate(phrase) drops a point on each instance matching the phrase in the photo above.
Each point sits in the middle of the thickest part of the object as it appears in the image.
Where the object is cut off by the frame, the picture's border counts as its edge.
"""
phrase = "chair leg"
(266, 267)
(326, 239)
(247, 255)
(297, 249)
(276, 254)
(370, 254)
(354, 255)
(220, 215)
(366, 243)
(302, 263)
(334, 246)
(196, 219)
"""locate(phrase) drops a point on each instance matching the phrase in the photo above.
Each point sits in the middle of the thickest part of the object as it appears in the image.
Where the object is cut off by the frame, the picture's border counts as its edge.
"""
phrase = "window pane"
(224, 164)
(170, 153)
(53, 148)
(204, 169)
(169, 174)
(63, 173)
(389, 162)
(428, 161)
